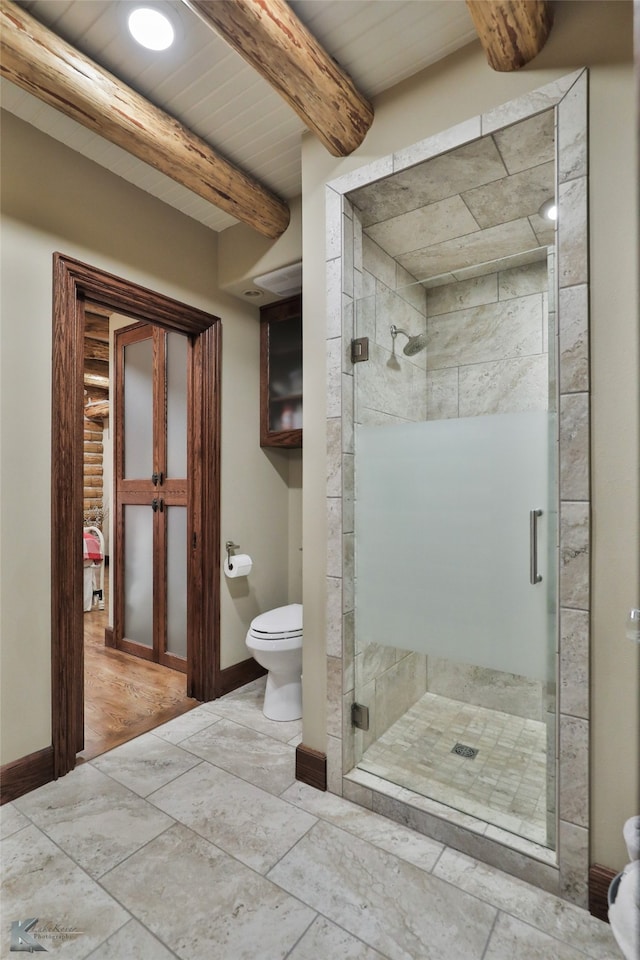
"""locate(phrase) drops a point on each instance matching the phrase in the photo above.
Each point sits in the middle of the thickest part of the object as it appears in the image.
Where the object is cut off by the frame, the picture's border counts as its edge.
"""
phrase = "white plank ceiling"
(211, 90)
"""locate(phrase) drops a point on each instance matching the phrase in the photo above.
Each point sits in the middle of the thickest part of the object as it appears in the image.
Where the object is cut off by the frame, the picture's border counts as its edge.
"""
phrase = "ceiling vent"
(284, 282)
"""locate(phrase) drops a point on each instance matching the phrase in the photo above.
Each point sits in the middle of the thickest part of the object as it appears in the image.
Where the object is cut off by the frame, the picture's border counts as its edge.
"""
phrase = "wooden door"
(151, 494)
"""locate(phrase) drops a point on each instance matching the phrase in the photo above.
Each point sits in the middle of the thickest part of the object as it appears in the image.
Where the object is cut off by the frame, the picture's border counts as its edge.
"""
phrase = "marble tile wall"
(568, 340)
(390, 386)
(493, 689)
(469, 205)
(487, 344)
(574, 556)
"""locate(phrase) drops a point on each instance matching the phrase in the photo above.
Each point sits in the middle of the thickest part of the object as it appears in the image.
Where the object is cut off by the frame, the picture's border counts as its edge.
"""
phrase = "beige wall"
(295, 526)
(243, 254)
(597, 35)
(55, 200)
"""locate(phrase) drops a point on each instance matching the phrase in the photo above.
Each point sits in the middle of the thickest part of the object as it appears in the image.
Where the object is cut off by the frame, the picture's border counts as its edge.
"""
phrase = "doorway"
(75, 284)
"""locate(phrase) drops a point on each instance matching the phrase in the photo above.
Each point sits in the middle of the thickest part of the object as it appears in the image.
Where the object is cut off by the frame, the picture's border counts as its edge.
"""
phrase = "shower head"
(413, 345)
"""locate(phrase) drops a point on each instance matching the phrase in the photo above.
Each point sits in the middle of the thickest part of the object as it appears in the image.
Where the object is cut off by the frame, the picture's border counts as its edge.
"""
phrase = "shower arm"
(396, 330)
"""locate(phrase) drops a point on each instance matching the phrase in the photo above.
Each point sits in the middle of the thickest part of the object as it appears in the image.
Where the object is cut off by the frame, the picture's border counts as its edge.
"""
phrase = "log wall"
(93, 473)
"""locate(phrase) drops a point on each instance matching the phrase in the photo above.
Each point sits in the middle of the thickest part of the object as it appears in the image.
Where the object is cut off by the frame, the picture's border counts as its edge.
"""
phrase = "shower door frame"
(565, 871)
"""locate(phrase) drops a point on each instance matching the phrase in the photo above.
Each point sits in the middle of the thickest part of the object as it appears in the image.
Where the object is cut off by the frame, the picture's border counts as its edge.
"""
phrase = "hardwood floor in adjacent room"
(124, 695)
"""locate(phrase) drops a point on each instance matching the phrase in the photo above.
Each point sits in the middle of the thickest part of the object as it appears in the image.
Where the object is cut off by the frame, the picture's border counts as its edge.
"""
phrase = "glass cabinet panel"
(281, 374)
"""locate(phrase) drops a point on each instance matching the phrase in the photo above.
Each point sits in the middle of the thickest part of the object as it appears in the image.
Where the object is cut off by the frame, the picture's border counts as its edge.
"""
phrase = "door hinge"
(359, 349)
(360, 716)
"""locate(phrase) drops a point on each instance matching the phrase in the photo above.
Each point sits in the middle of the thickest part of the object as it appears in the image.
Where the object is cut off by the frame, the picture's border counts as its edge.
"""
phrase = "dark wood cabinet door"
(281, 374)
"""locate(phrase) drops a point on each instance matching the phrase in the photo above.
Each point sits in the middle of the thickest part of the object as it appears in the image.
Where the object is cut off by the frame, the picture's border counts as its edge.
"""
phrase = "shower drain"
(462, 750)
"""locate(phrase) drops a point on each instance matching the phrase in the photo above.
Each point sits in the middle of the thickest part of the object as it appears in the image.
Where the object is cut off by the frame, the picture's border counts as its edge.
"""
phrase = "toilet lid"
(285, 621)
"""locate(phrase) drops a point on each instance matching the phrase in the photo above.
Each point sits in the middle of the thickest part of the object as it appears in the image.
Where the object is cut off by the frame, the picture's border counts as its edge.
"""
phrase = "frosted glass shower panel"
(443, 539)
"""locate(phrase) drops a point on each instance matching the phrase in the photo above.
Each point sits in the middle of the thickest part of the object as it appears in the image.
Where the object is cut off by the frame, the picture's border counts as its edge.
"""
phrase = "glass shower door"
(455, 586)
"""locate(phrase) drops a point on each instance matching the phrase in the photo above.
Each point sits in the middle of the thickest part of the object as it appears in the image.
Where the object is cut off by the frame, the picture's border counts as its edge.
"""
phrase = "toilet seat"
(283, 623)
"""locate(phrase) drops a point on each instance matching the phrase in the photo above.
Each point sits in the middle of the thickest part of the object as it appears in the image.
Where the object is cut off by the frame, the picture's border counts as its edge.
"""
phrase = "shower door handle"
(534, 576)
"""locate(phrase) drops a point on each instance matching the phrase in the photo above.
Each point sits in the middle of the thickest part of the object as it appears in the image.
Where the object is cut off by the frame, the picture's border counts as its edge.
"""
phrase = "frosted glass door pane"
(177, 581)
(442, 539)
(176, 405)
(138, 409)
(138, 574)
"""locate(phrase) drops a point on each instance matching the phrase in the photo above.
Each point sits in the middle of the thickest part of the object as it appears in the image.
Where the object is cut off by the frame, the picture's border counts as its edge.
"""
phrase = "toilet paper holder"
(229, 546)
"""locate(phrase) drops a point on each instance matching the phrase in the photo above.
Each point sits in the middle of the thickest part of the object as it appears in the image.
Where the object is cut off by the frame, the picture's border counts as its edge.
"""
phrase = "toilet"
(274, 639)
(624, 895)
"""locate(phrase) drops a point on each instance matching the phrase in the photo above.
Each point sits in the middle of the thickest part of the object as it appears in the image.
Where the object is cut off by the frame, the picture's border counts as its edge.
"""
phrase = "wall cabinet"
(281, 373)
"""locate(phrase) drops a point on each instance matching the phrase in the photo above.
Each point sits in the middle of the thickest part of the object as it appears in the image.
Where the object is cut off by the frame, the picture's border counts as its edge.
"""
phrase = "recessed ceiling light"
(252, 293)
(151, 28)
(549, 210)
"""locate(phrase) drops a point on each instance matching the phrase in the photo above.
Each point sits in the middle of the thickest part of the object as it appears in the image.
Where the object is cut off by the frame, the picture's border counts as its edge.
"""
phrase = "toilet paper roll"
(238, 566)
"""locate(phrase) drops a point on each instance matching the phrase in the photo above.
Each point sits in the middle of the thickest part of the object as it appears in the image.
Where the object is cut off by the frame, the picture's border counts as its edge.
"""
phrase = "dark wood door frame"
(74, 283)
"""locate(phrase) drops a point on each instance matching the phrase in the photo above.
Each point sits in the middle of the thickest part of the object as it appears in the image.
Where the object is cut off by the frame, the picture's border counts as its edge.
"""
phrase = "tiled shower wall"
(487, 344)
(391, 388)
(569, 877)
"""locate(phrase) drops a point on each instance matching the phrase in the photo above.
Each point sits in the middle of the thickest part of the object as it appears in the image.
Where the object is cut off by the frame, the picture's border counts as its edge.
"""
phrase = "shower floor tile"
(504, 784)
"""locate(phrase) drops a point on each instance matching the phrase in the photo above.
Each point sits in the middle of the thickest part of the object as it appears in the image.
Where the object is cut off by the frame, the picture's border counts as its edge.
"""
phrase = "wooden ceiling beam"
(512, 32)
(43, 64)
(270, 37)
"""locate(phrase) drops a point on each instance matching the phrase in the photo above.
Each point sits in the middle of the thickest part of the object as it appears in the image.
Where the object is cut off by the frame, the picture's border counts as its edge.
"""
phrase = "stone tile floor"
(505, 784)
(195, 841)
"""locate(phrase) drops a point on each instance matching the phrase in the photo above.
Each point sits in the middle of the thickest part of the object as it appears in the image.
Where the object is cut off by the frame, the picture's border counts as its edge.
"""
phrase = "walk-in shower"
(463, 491)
